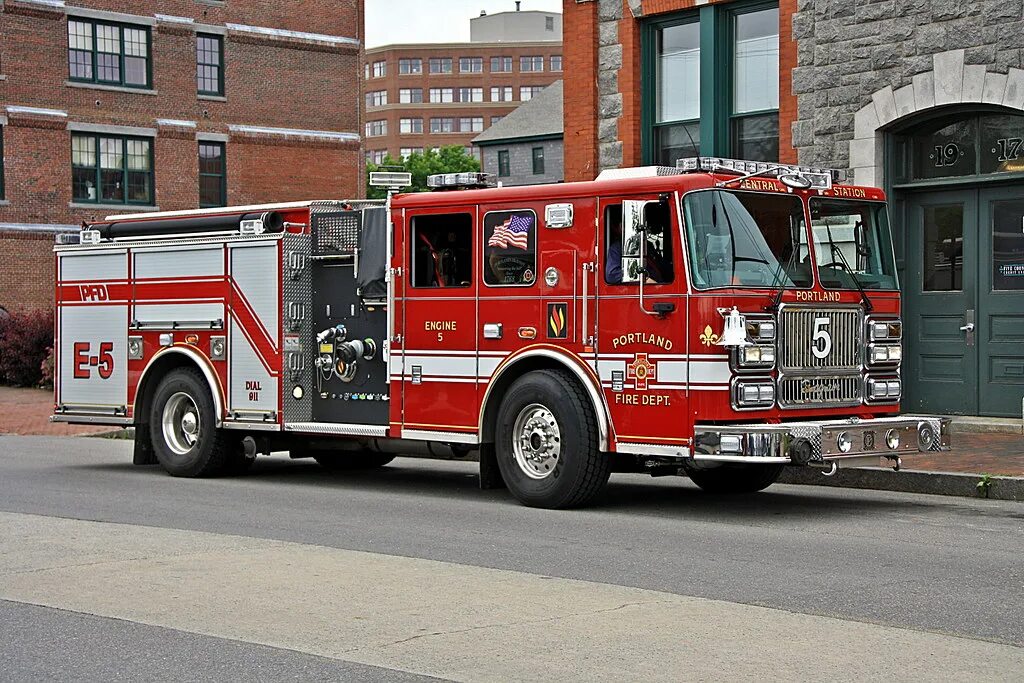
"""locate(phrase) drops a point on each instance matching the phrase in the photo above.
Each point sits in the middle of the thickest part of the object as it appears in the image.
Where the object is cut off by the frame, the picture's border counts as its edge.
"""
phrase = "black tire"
(345, 461)
(209, 449)
(736, 478)
(569, 474)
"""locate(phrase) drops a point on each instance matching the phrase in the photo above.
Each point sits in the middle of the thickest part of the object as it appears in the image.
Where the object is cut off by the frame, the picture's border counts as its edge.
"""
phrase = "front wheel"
(182, 426)
(736, 478)
(546, 442)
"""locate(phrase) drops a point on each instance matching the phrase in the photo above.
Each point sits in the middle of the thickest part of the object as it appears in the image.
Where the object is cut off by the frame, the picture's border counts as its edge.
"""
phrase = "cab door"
(641, 312)
(439, 351)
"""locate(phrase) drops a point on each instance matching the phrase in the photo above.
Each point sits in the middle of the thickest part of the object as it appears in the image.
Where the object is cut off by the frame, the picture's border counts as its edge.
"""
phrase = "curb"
(909, 481)
(985, 425)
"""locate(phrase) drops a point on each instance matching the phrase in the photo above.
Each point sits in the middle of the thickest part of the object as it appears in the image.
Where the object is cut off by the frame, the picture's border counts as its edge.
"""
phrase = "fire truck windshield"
(746, 239)
(852, 244)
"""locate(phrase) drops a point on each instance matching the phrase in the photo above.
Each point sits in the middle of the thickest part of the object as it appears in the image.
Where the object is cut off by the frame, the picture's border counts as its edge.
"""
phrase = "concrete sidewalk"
(27, 411)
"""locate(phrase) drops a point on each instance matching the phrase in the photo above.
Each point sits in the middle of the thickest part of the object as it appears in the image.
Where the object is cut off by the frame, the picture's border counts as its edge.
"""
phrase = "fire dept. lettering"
(642, 338)
(643, 399)
(94, 292)
(811, 295)
(440, 326)
(84, 360)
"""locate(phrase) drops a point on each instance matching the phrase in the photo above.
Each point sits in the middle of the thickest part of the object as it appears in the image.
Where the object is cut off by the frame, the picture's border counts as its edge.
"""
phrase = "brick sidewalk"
(27, 411)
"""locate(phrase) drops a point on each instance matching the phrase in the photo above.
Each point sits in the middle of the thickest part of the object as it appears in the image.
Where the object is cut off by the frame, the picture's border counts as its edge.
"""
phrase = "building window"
(471, 65)
(440, 65)
(535, 63)
(210, 64)
(444, 124)
(549, 23)
(380, 69)
(407, 152)
(408, 126)
(556, 62)
(442, 95)
(411, 65)
(538, 161)
(113, 54)
(410, 95)
(377, 98)
(213, 178)
(377, 156)
(501, 94)
(471, 124)
(528, 92)
(735, 47)
(503, 168)
(501, 65)
(471, 95)
(110, 169)
(495, 119)
(375, 129)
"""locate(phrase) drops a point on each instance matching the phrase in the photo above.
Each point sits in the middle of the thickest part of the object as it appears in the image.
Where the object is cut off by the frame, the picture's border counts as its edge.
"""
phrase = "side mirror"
(634, 241)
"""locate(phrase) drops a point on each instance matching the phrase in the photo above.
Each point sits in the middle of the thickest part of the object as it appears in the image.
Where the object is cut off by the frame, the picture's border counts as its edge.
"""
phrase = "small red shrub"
(26, 338)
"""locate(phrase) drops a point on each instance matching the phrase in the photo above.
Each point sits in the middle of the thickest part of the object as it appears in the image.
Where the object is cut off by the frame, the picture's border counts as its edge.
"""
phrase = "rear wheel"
(546, 442)
(182, 427)
(736, 478)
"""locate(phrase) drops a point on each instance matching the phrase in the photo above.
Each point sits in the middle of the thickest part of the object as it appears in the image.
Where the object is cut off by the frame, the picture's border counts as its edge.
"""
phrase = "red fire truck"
(719, 320)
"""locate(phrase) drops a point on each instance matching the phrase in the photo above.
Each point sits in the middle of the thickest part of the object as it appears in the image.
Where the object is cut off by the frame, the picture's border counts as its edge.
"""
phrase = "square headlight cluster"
(887, 389)
(761, 353)
(758, 393)
(885, 347)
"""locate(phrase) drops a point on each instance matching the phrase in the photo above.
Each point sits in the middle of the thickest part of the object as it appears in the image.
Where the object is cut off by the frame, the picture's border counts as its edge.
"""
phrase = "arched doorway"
(957, 184)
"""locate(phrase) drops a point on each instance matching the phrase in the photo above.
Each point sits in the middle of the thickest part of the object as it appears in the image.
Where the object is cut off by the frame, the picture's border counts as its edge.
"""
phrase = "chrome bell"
(735, 332)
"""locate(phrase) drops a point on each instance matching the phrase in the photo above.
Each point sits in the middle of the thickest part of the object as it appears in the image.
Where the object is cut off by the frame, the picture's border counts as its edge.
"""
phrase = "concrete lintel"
(81, 127)
(885, 105)
(924, 90)
(865, 121)
(905, 104)
(105, 15)
(949, 77)
(1013, 95)
(974, 83)
(995, 86)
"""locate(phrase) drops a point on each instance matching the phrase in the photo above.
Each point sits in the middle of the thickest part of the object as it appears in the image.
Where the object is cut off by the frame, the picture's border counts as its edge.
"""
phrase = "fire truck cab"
(719, 320)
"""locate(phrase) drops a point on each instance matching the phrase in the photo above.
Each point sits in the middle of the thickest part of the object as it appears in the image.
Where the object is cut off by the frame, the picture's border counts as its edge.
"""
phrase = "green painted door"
(964, 302)
(1001, 301)
(940, 372)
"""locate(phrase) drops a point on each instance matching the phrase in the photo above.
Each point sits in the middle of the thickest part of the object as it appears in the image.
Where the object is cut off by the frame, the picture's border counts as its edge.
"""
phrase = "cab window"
(510, 248)
(442, 251)
(622, 260)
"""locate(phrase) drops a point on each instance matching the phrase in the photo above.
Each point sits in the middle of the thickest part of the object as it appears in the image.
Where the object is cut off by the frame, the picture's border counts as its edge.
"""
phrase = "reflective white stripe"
(606, 367)
(710, 372)
(672, 371)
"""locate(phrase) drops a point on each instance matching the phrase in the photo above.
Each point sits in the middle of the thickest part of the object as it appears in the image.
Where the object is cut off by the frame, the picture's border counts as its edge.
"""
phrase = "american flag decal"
(514, 232)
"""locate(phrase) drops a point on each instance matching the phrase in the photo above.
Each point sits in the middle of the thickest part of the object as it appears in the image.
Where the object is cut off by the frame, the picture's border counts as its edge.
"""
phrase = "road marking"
(450, 620)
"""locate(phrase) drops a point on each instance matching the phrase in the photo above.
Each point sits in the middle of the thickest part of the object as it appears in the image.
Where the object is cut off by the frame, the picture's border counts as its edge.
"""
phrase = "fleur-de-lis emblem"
(708, 337)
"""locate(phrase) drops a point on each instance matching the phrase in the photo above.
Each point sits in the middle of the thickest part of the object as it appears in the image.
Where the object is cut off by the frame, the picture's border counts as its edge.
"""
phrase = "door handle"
(969, 327)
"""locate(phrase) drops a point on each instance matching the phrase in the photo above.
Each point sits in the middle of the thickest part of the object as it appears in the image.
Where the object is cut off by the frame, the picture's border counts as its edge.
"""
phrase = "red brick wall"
(581, 120)
(269, 82)
(26, 270)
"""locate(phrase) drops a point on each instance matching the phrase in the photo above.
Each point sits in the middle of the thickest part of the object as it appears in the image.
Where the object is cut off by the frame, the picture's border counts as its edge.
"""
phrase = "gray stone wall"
(521, 162)
(849, 50)
(609, 99)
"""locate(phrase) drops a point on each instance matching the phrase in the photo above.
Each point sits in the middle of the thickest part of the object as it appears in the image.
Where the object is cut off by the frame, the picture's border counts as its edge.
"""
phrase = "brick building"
(421, 96)
(924, 98)
(177, 104)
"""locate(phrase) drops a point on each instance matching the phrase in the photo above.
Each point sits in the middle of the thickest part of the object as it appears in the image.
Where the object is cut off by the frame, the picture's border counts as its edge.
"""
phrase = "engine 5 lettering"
(85, 361)
(440, 326)
(643, 399)
(642, 338)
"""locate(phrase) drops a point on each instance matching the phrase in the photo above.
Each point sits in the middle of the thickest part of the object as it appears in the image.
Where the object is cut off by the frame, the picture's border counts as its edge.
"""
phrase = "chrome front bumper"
(817, 442)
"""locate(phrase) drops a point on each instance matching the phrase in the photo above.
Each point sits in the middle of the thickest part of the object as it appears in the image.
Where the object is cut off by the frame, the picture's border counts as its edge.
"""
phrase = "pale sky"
(434, 21)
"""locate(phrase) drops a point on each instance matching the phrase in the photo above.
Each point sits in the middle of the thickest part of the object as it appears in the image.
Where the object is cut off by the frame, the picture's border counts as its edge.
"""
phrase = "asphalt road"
(867, 583)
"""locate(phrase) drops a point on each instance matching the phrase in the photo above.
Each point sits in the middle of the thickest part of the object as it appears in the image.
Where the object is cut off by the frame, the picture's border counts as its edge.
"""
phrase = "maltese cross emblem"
(641, 371)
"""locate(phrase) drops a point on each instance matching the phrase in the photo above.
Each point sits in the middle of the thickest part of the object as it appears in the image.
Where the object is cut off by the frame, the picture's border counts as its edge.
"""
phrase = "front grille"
(797, 327)
(845, 390)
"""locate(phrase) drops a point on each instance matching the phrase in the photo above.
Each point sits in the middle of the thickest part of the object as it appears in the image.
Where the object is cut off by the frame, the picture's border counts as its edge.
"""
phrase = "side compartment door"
(92, 328)
(254, 352)
(439, 354)
(641, 341)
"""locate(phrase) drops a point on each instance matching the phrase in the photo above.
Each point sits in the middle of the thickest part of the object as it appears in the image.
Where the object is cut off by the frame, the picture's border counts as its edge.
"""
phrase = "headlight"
(881, 330)
(892, 439)
(761, 330)
(218, 347)
(755, 393)
(843, 442)
(885, 353)
(135, 348)
(884, 389)
(757, 355)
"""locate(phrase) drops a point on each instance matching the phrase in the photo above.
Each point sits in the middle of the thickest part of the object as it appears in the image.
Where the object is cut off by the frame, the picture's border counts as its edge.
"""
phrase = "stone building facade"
(109, 107)
(924, 98)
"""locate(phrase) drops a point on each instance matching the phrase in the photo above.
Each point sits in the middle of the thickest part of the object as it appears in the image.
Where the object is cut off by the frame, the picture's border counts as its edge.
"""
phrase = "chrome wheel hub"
(180, 423)
(537, 441)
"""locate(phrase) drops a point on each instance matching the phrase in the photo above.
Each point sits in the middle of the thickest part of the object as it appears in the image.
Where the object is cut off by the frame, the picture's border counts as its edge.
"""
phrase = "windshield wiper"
(836, 251)
(781, 284)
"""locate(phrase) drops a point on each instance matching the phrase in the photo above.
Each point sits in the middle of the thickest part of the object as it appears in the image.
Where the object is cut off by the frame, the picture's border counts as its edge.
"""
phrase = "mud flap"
(490, 475)
(144, 453)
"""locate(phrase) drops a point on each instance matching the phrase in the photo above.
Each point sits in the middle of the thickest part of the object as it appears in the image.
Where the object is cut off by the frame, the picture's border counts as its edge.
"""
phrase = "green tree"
(450, 159)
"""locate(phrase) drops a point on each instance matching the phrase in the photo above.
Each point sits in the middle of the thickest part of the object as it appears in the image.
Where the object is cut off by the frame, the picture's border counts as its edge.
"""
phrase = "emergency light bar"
(449, 181)
(390, 179)
(821, 178)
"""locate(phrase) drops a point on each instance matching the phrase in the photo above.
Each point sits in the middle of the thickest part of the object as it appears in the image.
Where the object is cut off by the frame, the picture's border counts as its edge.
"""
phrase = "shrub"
(25, 340)
(46, 370)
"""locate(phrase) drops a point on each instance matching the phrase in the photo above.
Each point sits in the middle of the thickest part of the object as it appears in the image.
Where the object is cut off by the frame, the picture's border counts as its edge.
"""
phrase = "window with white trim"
(471, 65)
(377, 98)
(501, 65)
(471, 124)
(532, 63)
(471, 95)
(501, 93)
(528, 92)
(440, 65)
(380, 69)
(410, 95)
(556, 62)
(442, 124)
(375, 129)
(411, 125)
(410, 65)
(442, 95)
